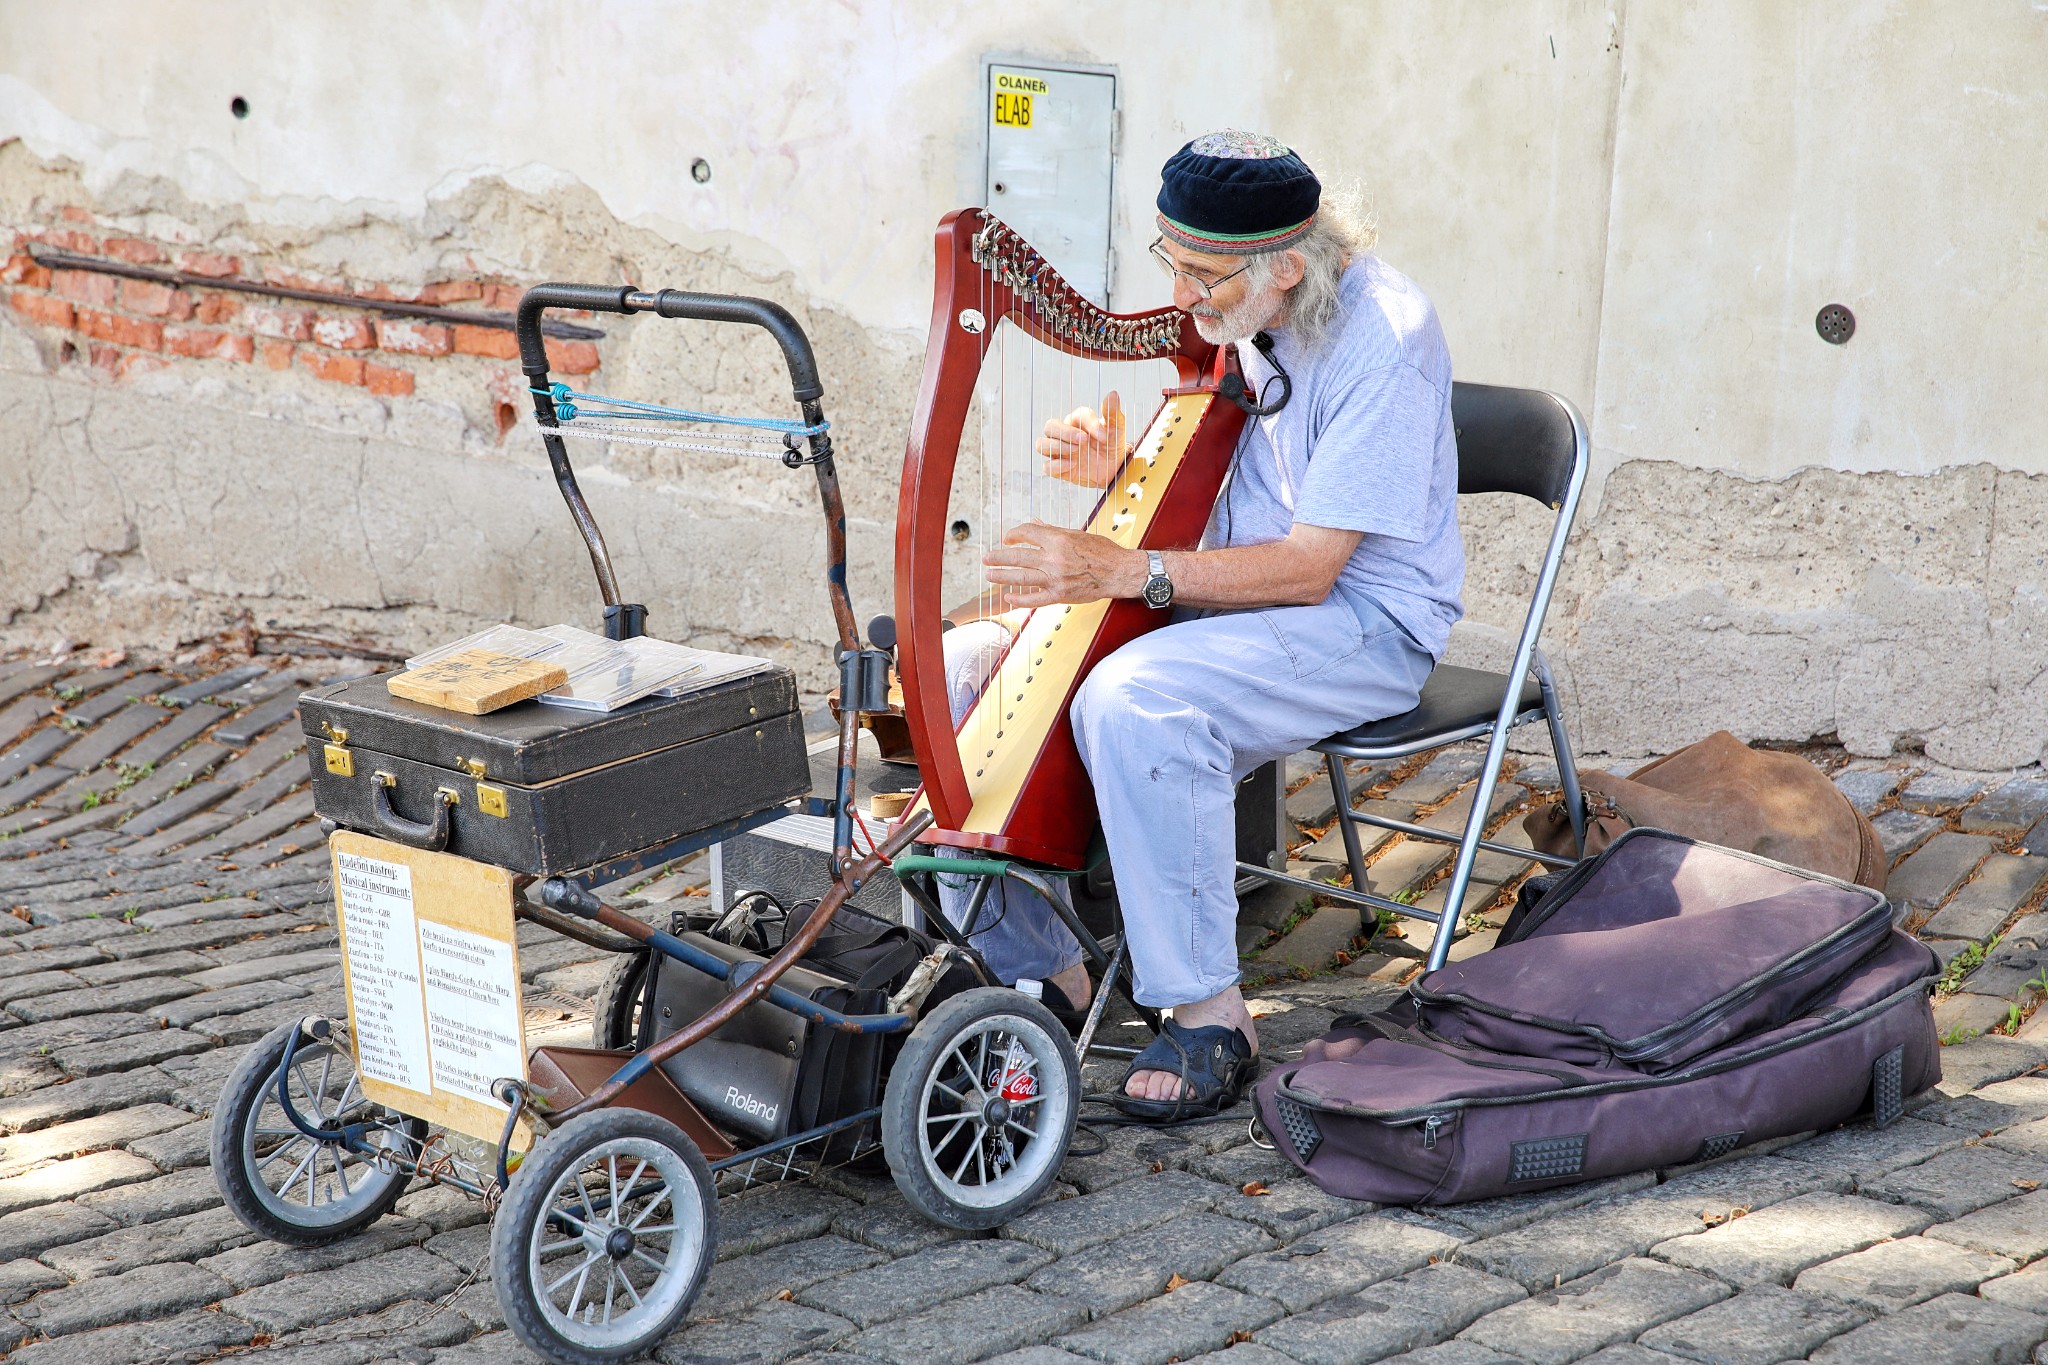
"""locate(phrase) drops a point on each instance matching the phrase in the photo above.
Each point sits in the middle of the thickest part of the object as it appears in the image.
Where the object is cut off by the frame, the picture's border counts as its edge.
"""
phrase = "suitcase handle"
(431, 835)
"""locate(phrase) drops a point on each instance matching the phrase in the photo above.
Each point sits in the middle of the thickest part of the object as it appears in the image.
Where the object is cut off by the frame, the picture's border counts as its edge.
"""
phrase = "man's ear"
(1288, 270)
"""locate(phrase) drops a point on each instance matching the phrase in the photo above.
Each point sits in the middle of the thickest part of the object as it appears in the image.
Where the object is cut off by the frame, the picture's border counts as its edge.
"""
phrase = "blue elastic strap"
(566, 398)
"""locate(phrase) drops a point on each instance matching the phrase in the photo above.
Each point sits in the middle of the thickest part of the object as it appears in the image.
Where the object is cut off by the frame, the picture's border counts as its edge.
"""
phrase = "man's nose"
(1185, 295)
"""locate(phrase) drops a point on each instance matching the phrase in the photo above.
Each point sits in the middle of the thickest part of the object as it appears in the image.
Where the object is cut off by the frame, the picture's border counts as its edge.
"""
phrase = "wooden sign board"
(431, 967)
(477, 681)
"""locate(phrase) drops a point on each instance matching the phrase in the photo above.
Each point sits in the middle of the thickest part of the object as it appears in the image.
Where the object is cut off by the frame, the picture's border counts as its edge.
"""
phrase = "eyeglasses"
(1204, 289)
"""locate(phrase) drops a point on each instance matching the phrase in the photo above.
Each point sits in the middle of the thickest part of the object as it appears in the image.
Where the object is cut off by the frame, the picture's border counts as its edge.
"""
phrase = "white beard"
(1219, 327)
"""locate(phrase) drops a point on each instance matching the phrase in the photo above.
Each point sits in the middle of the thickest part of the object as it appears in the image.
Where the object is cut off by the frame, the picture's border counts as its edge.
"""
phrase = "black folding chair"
(1509, 441)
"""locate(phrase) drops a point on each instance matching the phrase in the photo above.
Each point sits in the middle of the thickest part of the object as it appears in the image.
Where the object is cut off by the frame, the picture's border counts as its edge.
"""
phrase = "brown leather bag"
(1723, 792)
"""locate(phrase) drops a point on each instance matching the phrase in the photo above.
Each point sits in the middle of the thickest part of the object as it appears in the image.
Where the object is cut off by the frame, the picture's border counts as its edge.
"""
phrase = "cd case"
(604, 674)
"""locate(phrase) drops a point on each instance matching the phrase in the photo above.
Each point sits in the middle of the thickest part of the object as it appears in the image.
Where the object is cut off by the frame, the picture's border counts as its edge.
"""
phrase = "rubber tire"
(618, 996)
(901, 1100)
(243, 1091)
(534, 1180)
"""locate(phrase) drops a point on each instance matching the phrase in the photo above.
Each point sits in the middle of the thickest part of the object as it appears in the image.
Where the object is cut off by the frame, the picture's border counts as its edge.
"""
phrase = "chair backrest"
(1513, 441)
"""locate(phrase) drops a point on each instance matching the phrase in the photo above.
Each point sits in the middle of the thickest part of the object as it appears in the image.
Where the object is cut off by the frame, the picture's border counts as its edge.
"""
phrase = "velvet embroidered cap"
(1235, 193)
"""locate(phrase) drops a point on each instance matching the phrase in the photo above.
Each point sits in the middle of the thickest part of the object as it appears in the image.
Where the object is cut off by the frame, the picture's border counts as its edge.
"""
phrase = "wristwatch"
(1158, 588)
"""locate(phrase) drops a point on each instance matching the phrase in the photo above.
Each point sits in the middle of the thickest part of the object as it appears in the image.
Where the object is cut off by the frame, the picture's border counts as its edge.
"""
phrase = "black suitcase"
(549, 789)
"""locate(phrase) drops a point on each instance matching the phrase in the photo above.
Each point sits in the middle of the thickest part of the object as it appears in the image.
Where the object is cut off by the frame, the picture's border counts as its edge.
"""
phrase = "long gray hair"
(1342, 230)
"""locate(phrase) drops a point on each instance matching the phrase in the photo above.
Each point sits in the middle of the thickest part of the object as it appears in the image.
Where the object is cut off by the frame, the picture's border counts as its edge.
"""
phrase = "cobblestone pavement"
(170, 904)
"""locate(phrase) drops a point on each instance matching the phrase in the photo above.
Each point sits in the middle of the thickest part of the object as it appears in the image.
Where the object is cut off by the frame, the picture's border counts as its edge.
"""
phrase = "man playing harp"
(1322, 594)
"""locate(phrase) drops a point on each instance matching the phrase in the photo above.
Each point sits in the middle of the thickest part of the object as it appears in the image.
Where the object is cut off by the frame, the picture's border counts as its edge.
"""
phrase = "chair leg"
(1561, 749)
(1354, 856)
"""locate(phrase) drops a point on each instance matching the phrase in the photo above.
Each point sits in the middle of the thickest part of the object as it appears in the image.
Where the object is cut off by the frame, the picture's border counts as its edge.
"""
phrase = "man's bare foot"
(1074, 984)
(1227, 1009)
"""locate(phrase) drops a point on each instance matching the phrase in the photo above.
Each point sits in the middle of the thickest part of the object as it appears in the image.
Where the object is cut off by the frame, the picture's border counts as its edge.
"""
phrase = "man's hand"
(1085, 447)
(1040, 565)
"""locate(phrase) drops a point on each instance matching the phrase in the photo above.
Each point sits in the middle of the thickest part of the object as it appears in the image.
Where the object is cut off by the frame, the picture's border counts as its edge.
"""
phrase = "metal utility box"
(1049, 168)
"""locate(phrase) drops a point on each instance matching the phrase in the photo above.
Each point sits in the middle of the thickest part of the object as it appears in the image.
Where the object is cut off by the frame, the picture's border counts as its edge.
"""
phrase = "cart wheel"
(621, 997)
(281, 1183)
(604, 1238)
(980, 1107)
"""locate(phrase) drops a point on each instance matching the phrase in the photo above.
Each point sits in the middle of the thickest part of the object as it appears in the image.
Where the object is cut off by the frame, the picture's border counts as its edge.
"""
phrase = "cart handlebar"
(771, 318)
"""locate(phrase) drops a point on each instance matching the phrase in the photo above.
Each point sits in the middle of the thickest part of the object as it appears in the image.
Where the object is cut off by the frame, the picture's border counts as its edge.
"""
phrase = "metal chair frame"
(1514, 709)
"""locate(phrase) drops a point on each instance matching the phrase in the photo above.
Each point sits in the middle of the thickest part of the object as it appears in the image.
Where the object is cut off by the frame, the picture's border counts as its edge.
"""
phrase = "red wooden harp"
(1008, 779)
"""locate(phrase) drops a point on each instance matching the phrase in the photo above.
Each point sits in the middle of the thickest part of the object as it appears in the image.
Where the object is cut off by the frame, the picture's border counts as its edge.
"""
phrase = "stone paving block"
(1543, 1255)
(128, 995)
(892, 1226)
(152, 1291)
(1071, 1225)
(209, 934)
(383, 1335)
(1491, 1217)
(1192, 1319)
(899, 1288)
(188, 1238)
(98, 1134)
(1456, 1353)
(768, 1335)
(1439, 777)
(201, 911)
(1773, 1244)
(1966, 1015)
(1926, 878)
(167, 1196)
(27, 985)
(2029, 1138)
(1935, 791)
(35, 1230)
(1290, 1209)
(177, 1149)
(2011, 970)
(1053, 1355)
(1962, 1181)
(1614, 1304)
(189, 1010)
(993, 1321)
(1115, 1275)
(781, 1213)
(2017, 1228)
(1127, 1152)
(1420, 1308)
(2007, 810)
(123, 1054)
(1975, 912)
(187, 1336)
(20, 1075)
(346, 1290)
(738, 1284)
(1866, 1153)
(1900, 831)
(1629, 1353)
(263, 1263)
(1338, 1260)
(1866, 787)
(1895, 1275)
(162, 964)
(65, 1180)
(1313, 944)
(1751, 1182)
(1955, 1329)
(1759, 1326)
(1241, 1165)
(1981, 1061)
(469, 1248)
(2025, 1288)
(22, 1277)
(440, 1209)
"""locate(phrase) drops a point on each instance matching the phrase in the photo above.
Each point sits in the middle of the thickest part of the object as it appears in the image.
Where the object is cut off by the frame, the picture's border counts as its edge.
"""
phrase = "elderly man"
(1322, 594)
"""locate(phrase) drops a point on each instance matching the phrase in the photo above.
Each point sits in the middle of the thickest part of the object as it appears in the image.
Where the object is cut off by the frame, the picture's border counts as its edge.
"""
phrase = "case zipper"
(1429, 1127)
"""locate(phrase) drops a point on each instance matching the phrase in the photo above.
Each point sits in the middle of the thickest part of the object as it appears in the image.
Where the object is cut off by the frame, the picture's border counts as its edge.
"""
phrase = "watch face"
(1158, 591)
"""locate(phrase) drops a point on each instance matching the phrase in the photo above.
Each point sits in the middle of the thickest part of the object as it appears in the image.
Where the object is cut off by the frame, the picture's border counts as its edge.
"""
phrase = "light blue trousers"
(1168, 726)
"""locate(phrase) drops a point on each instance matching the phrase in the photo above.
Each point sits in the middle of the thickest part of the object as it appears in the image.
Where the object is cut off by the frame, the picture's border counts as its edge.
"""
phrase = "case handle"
(431, 835)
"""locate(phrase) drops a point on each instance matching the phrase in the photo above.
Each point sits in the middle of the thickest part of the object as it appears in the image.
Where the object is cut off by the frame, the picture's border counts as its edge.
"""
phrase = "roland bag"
(1667, 1002)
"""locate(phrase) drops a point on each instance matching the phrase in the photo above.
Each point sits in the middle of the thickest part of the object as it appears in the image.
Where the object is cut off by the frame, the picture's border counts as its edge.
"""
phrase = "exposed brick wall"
(121, 327)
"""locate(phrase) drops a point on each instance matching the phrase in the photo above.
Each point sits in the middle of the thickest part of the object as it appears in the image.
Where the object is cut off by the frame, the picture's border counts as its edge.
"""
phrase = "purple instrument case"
(1663, 1003)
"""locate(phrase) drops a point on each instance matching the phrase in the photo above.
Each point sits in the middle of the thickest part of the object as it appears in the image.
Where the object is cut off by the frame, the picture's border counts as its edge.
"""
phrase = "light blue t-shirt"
(1365, 444)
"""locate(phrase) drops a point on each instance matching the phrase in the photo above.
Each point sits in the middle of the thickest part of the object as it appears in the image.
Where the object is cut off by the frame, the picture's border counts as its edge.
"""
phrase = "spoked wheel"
(279, 1182)
(604, 1237)
(980, 1107)
(621, 998)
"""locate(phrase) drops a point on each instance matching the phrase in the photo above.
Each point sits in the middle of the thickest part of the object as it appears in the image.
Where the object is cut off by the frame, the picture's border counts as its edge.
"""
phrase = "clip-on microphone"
(1232, 385)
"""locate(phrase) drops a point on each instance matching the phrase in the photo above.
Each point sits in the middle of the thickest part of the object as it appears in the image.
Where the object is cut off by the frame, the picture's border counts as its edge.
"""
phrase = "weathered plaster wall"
(1640, 206)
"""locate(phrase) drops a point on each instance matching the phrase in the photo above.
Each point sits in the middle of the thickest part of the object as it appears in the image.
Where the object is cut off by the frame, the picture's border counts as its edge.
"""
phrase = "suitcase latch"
(340, 761)
(473, 766)
(491, 800)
